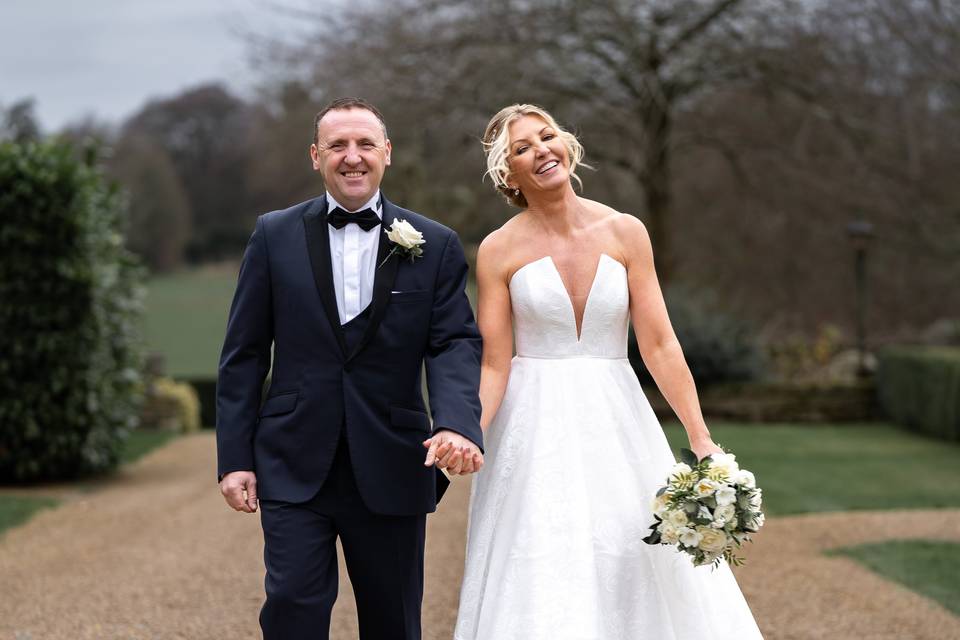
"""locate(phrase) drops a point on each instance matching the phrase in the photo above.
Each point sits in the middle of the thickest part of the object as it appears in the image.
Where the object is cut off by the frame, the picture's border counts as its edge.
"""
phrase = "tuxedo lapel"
(384, 275)
(318, 246)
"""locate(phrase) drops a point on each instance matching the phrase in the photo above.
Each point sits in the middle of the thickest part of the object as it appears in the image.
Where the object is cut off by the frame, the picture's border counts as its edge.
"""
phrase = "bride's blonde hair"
(496, 144)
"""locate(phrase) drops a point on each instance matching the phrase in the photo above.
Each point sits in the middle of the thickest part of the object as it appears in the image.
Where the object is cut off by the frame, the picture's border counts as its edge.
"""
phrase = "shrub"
(206, 389)
(919, 388)
(171, 405)
(71, 299)
(718, 347)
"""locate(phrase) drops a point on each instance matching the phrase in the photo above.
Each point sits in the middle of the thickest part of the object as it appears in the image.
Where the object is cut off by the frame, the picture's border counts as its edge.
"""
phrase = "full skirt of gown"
(573, 460)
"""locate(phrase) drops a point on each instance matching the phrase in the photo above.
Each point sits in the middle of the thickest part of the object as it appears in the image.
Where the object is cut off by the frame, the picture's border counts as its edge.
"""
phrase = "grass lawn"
(929, 567)
(186, 316)
(17, 509)
(805, 468)
(141, 443)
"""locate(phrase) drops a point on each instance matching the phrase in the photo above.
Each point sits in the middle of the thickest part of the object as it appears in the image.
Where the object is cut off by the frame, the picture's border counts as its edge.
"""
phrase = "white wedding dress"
(573, 459)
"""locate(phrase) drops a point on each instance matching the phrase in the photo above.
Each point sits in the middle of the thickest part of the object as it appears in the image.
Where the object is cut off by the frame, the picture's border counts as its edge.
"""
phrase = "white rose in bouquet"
(689, 537)
(668, 533)
(680, 468)
(705, 487)
(745, 478)
(725, 495)
(725, 463)
(723, 515)
(677, 518)
(712, 540)
(661, 504)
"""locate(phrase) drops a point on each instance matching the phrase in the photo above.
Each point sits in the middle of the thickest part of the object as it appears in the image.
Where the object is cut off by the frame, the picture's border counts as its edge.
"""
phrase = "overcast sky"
(107, 57)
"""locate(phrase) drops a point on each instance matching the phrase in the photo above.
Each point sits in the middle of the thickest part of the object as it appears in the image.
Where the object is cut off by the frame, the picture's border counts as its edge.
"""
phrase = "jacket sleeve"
(245, 359)
(453, 351)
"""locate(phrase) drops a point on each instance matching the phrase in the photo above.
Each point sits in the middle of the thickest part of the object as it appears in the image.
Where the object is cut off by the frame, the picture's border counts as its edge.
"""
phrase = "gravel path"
(155, 554)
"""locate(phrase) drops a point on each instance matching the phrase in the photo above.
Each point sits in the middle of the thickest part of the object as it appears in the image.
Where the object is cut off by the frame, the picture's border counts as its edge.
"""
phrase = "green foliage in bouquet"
(718, 346)
(919, 387)
(707, 509)
(69, 371)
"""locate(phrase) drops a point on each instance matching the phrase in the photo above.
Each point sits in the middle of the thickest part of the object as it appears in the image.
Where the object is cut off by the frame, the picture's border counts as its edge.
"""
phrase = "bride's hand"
(704, 448)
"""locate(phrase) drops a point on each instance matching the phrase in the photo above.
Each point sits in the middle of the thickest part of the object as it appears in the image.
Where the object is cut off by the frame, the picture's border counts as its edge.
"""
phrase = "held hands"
(451, 451)
(234, 485)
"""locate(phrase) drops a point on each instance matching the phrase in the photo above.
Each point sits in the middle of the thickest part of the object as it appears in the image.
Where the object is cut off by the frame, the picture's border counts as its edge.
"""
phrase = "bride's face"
(538, 158)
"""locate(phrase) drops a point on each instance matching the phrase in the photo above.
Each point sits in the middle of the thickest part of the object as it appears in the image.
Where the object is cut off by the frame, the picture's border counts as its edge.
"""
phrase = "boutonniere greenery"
(407, 241)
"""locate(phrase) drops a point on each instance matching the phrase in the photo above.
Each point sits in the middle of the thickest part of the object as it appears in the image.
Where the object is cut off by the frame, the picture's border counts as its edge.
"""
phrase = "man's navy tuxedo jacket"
(322, 386)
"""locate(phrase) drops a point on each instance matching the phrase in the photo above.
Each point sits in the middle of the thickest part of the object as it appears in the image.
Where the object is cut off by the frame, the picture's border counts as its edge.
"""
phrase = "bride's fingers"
(468, 464)
(444, 453)
(456, 462)
(431, 452)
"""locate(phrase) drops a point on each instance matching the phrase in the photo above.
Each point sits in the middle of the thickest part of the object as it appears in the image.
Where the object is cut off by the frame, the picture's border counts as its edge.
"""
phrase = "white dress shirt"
(353, 257)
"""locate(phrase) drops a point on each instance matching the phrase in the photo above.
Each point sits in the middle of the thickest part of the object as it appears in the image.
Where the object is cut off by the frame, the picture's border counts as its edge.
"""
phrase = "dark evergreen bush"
(70, 300)
(718, 347)
(919, 388)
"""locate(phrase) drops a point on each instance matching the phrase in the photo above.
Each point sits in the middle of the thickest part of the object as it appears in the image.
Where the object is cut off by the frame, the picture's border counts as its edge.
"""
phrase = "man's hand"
(451, 451)
(234, 485)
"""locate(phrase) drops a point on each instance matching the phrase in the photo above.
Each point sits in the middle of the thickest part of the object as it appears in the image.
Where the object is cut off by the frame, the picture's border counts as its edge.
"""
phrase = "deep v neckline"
(577, 329)
(578, 326)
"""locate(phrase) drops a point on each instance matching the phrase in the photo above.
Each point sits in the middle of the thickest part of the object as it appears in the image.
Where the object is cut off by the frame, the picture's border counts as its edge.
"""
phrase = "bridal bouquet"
(708, 508)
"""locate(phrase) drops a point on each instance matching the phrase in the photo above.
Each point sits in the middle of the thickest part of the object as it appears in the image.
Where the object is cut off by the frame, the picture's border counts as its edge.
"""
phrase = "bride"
(574, 452)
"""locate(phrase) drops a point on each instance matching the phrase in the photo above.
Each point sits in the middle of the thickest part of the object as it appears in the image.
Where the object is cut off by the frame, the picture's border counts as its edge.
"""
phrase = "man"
(337, 448)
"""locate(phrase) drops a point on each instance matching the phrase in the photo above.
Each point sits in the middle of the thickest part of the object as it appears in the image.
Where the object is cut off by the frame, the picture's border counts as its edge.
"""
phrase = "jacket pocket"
(279, 404)
(409, 419)
(416, 295)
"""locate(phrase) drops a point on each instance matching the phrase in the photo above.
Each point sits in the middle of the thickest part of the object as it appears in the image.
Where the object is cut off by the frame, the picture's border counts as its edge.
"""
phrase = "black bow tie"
(365, 219)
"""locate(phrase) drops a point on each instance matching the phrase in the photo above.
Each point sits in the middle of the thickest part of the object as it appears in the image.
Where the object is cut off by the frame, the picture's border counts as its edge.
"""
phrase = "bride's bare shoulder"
(598, 208)
(498, 250)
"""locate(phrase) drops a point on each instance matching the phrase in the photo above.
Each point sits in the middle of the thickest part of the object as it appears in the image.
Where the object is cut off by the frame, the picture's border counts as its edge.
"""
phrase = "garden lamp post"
(860, 233)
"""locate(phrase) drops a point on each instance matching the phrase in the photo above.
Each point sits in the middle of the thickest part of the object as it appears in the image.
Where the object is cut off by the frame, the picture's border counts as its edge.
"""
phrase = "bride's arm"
(659, 347)
(495, 324)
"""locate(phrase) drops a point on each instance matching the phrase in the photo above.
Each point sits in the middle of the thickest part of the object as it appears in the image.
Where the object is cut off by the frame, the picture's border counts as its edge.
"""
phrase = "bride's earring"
(516, 193)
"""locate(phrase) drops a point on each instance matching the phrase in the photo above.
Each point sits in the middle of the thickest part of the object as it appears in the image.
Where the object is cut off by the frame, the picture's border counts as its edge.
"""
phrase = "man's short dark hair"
(347, 103)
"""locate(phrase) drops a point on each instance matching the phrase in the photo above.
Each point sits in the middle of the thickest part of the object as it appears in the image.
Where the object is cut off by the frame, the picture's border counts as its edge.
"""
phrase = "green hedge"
(919, 387)
(71, 299)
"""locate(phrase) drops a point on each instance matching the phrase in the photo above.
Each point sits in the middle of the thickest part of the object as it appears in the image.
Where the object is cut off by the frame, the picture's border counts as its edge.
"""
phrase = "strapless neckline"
(577, 328)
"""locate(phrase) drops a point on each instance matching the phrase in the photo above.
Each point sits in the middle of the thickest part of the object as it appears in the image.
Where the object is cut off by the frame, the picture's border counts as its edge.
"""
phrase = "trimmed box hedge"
(919, 388)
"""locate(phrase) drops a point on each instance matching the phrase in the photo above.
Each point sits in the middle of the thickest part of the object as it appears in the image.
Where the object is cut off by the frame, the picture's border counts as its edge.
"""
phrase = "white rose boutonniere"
(407, 241)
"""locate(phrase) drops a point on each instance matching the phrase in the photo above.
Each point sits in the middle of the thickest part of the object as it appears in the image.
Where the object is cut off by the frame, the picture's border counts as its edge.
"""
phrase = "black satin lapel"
(383, 278)
(318, 246)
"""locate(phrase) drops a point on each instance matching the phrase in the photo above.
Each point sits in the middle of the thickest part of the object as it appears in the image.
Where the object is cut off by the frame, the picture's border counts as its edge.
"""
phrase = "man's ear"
(389, 147)
(315, 157)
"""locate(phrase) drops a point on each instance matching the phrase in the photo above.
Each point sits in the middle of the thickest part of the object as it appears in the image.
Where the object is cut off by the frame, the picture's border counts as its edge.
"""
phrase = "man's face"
(351, 154)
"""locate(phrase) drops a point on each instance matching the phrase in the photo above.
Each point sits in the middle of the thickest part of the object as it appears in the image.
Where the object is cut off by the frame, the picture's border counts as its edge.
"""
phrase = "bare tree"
(158, 227)
(746, 133)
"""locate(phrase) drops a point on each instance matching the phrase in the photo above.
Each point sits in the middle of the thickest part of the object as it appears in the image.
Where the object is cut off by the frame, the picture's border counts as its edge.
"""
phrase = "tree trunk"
(655, 178)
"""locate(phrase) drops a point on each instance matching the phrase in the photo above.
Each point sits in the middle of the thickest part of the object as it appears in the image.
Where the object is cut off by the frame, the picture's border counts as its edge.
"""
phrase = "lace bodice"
(543, 315)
